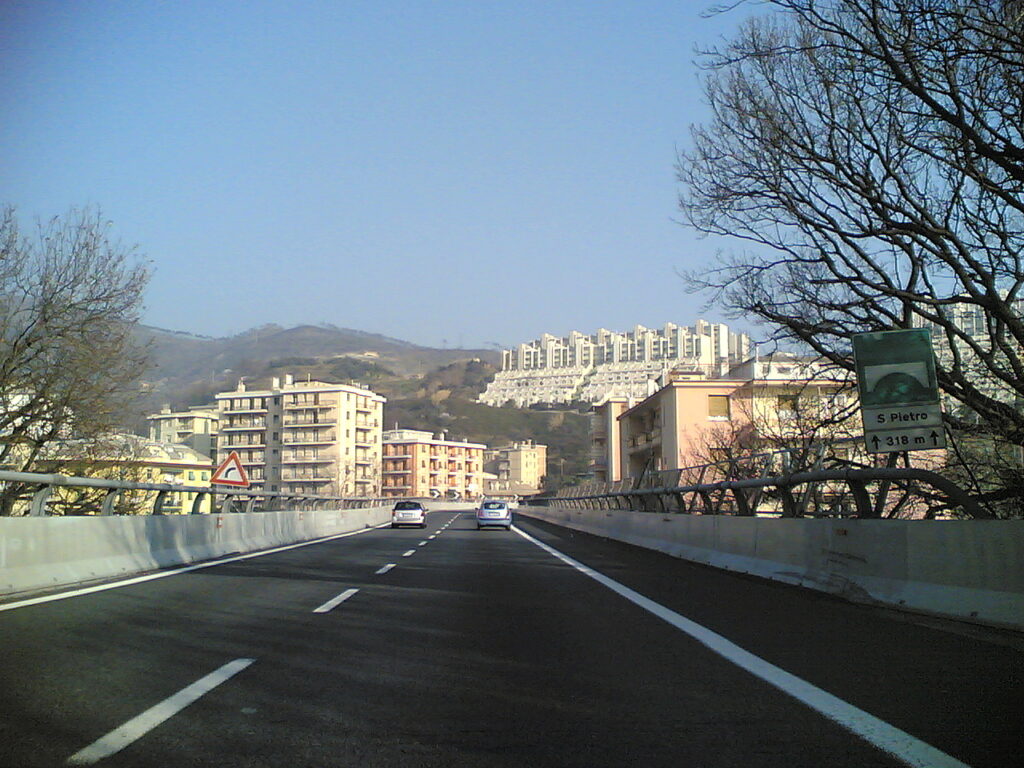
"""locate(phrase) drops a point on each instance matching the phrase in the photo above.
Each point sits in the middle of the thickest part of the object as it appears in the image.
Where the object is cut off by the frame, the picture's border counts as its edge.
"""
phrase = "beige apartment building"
(517, 469)
(694, 420)
(197, 427)
(418, 464)
(305, 437)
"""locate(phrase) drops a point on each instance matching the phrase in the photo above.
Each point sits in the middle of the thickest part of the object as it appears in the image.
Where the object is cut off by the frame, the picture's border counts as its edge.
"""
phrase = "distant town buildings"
(517, 469)
(592, 368)
(305, 437)
(422, 465)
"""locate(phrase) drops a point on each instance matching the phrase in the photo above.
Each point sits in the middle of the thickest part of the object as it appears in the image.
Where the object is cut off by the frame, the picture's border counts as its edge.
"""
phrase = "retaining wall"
(43, 552)
(963, 569)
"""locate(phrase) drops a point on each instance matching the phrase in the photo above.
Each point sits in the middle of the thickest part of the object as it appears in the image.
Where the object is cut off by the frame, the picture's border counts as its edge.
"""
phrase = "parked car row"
(492, 513)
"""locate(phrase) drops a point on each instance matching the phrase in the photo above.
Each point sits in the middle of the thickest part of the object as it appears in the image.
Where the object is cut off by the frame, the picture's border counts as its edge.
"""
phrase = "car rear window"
(407, 505)
(494, 505)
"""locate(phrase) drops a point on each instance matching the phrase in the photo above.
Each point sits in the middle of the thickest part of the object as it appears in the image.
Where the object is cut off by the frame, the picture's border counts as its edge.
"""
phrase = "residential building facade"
(421, 465)
(305, 437)
(605, 455)
(591, 368)
(518, 468)
(763, 403)
(197, 427)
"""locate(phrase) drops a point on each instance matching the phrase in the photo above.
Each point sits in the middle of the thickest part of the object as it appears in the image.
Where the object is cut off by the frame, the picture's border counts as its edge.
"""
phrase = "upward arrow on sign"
(231, 472)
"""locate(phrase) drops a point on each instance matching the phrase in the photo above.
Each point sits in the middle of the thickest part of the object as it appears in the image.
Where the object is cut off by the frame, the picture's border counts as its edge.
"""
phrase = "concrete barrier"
(44, 552)
(962, 569)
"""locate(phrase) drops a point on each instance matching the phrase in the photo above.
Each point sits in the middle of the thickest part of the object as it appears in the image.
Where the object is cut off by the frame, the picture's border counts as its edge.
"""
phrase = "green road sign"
(899, 391)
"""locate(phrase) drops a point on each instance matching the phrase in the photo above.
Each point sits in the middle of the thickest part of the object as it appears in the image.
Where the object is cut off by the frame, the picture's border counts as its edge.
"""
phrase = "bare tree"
(870, 156)
(69, 297)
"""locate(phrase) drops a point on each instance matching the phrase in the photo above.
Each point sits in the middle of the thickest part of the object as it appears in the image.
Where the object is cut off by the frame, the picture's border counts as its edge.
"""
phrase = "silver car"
(494, 514)
(408, 513)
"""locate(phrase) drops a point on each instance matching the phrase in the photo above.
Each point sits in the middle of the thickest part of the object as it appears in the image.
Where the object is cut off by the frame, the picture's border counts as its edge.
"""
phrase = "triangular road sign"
(231, 472)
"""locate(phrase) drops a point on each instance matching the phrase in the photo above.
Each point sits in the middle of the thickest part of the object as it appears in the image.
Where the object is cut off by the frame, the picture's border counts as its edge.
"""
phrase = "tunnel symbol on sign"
(897, 383)
(231, 472)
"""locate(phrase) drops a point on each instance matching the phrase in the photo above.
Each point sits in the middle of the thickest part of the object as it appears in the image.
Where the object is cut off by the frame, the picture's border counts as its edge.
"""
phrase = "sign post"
(899, 392)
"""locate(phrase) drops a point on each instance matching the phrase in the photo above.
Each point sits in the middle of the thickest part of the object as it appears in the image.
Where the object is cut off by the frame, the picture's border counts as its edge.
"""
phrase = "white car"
(408, 513)
(493, 513)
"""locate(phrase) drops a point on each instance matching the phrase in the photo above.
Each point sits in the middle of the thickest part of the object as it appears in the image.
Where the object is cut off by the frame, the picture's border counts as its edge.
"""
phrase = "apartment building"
(518, 468)
(605, 456)
(591, 368)
(421, 465)
(197, 427)
(973, 325)
(693, 420)
(305, 437)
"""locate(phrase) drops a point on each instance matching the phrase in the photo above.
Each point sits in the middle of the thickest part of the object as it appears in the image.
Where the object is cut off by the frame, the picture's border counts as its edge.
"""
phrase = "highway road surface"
(456, 647)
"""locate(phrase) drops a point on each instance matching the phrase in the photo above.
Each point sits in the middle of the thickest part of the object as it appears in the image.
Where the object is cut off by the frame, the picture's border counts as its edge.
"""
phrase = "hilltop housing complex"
(592, 368)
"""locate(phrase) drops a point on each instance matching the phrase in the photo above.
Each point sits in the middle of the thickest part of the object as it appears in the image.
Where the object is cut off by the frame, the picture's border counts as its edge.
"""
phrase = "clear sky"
(450, 173)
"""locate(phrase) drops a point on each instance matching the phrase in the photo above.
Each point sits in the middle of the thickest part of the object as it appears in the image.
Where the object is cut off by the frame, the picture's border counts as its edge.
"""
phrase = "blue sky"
(450, 173)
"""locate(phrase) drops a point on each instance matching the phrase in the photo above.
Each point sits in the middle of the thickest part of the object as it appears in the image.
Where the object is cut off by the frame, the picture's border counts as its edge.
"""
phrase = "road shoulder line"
(890, 739)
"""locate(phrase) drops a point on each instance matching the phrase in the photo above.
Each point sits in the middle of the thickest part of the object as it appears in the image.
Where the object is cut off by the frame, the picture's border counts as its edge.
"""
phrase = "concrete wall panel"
(969, 570)
(45, 552)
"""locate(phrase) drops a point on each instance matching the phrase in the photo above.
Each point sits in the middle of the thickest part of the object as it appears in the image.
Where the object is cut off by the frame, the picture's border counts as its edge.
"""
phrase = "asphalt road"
(481, 648)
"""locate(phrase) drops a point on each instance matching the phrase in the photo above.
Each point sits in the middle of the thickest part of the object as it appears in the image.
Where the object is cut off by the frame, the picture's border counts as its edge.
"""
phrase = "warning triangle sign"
(231, 472)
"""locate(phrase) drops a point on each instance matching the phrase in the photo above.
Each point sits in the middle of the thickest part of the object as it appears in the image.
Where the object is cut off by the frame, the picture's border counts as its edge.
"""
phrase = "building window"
(718, 406)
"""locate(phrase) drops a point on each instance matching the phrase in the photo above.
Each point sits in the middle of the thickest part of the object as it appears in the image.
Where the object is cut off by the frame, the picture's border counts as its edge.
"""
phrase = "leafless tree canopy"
(869, 154)
(68, 299)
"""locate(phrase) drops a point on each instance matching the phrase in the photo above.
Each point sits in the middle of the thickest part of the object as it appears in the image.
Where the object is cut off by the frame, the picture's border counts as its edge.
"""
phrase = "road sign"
(899, 392)
(231, 472)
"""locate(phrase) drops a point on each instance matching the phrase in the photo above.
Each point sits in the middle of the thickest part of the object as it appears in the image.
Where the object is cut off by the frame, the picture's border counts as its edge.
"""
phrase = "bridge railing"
(865, 493)
(41, 487)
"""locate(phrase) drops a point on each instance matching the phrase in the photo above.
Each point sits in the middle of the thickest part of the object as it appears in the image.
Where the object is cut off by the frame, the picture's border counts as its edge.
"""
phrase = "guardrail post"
(709, 505)
(742, 502)
(109, 501)
(861, 498)
(197, 503)
(158, 502)
(39, 499)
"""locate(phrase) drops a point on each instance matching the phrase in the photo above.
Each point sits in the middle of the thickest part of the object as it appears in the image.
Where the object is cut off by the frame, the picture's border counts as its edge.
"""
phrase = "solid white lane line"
(386, 568)
(176, 571)
(334, 601)
(900, 744)
(409, 553)
(140, 725)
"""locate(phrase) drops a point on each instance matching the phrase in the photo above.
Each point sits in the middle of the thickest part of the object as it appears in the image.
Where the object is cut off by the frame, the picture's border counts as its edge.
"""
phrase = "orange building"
(420, 465)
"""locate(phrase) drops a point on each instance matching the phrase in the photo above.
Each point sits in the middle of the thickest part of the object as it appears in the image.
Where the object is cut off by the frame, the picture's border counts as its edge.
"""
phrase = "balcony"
(301, 439)
(243, 427)
(321, 422)
(319, 479)
(397, 471)
(309, 406)
(236, 445)
(243, 410)
(320, 460)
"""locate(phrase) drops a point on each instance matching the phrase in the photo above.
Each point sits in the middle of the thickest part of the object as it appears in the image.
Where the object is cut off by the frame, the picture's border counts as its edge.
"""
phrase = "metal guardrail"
(745, 497)
(234, 500)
